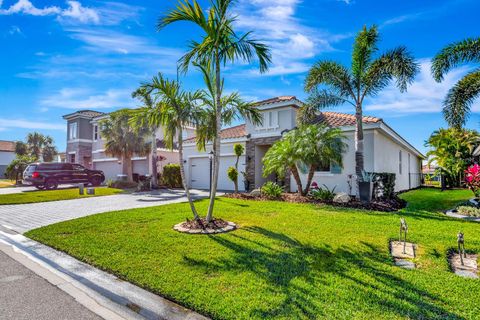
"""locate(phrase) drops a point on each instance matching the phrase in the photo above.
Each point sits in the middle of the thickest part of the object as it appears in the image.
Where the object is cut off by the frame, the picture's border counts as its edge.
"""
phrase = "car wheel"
(51, 184)
(95, 181)
(40, 187)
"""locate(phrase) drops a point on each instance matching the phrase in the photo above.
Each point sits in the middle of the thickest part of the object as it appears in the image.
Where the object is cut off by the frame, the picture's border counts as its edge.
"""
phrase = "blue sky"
(61, 56)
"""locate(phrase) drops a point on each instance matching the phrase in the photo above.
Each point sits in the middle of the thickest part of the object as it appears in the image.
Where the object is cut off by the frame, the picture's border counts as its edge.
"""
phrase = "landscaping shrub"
(469, 211)
(271, 190)
(119, 184)
(472, 179)
(232, 173)
(323, 194)
(171, 176)
(384, 186)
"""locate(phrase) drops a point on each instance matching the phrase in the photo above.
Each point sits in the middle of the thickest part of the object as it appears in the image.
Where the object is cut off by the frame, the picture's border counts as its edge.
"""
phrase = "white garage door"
(140, 167)
(200, 173)
(110, 169)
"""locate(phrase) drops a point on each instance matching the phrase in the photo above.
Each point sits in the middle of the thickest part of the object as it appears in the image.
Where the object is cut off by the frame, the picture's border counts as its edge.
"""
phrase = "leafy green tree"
(451, 150)
(123, 141)
(15, 169)
(173, 110)
(457, 103)
(332, 84)
(21, 148)
(232, 172)
(220, 45)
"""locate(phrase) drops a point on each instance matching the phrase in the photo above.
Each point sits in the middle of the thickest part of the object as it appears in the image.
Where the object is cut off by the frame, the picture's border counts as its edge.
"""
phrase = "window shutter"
(336, 169)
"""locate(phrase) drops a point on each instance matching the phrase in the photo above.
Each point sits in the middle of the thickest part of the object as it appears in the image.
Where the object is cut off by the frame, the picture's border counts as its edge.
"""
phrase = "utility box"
(90, 191)
(81, 189)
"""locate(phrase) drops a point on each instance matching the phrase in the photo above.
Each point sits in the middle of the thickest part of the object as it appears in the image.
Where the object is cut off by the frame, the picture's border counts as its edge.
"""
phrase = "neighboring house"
(7, 155)
(86, 146)
(384, 150)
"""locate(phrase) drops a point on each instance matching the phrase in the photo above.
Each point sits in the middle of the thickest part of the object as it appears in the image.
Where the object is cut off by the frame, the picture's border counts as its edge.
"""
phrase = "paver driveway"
(24, 217)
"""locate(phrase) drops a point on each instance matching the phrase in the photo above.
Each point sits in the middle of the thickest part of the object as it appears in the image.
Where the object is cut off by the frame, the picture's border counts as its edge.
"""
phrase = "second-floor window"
(95, 132)
(270, 120)
(72, 131)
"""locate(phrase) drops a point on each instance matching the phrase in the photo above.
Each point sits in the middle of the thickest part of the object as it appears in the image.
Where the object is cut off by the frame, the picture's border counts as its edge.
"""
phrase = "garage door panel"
(110, 169)
(200, 173)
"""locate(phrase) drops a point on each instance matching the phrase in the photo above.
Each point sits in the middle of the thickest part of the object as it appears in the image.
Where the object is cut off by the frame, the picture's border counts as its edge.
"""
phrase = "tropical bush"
(323, 194)
(232, 173)
(468, 211)
(171, 176)
(472, 179)
(15, 169)
(271, 190)
(384, 186)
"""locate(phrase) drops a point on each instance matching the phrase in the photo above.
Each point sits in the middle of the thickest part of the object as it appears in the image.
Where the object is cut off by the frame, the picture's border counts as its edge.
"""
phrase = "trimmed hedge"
(171, 176)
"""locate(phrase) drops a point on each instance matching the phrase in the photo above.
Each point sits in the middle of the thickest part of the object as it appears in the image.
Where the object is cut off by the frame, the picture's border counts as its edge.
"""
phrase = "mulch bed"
(202, 224)
(389, 205)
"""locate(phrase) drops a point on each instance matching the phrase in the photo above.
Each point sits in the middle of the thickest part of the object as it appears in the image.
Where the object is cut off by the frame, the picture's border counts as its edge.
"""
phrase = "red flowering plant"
(472, 179)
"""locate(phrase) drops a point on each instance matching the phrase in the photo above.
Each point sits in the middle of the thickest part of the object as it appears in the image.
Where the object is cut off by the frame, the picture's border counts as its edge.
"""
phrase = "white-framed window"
(400, 161)
(72, 130)
(270, 120)
(96, 135)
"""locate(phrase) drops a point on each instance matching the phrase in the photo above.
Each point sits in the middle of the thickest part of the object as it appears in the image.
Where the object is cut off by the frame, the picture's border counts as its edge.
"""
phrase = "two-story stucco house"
(85, 146)
(385, 150)
(7, 155)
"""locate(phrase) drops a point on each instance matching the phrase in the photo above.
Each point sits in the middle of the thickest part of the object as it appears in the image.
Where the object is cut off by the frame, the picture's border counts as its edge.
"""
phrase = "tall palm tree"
(49, 151)
(140, 119)
(457, 103)
(38, 146)
(174, 109)
(220, 45)
(123, 141)
(368, 75)
(35, 142)
(319, 145)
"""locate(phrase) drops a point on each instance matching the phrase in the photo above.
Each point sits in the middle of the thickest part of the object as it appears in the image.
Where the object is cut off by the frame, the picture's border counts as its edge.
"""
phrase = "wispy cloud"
(15, 30)
(292, 42)
(75, 12)
(84, 98)
(423, 96)
(6, 124)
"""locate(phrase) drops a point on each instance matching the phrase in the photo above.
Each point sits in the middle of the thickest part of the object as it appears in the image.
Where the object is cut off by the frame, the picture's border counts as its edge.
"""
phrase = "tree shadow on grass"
(302, 274)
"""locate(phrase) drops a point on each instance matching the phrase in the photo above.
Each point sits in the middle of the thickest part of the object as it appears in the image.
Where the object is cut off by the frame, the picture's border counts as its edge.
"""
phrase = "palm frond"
(331, 74)
(454, 54)
(363, 49)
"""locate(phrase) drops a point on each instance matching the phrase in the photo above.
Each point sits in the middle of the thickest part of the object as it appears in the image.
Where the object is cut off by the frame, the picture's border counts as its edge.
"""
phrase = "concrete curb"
(99, 291)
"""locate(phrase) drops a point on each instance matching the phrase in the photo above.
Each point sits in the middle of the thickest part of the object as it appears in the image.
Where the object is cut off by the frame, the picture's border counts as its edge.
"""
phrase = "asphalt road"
(25, 295)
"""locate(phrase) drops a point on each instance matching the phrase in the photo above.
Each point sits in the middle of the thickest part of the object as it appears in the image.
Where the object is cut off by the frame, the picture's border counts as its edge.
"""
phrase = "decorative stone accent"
(256, 192)
(402, 253)
(230, 227)
(341, 197)
(250, 157)
(469, 269)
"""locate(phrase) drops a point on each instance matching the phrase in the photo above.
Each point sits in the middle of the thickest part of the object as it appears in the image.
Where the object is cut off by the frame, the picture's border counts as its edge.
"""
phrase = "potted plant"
(365, 186)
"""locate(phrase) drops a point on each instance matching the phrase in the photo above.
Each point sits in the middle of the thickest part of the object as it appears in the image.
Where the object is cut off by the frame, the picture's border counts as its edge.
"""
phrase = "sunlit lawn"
(4, 183)
(52, 195)
(287, 261)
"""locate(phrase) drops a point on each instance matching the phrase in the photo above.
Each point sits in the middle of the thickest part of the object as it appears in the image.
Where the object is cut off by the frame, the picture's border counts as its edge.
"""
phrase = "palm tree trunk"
(311, 172)
(127, 164)
(216, 141)
(182, 175)
(296, 176)
(154, 161)
(359, 159)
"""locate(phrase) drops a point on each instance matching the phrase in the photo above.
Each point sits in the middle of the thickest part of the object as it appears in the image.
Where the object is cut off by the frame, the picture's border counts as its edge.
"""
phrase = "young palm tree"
(123, 141)
(220, 45)
(140, 119)
(39, 146)
(457, 103)
(49, 151)
(319, 145)
(174, 109)
(368, 75)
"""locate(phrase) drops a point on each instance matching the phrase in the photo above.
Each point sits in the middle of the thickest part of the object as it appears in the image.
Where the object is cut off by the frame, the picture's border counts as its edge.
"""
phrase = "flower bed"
(376, 205)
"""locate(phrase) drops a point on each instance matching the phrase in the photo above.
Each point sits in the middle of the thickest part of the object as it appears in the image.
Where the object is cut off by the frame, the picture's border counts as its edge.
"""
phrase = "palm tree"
(38, 146)
(319, 145)
(49, 151)
(123, 141)
(220, 45)
(140, 119)
(35, 142)
(368, 75)
(457, 103)
(174, 109)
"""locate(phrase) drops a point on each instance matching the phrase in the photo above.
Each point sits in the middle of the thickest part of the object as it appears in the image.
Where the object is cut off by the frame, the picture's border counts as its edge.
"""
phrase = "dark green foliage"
(384, 186)
(171, 176)
(323, 194)
(15, 169)
(271, 190)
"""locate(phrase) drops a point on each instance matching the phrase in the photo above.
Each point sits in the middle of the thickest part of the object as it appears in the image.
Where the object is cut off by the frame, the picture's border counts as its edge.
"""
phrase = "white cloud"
(28, 124)
(290, 40)
(425, 95)
(109, 14)
(80, 98)
(15, 30)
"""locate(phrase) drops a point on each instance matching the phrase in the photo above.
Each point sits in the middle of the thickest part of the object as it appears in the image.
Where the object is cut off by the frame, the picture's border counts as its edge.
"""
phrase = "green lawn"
(52, 195)
(4, 183)
(287, 261)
